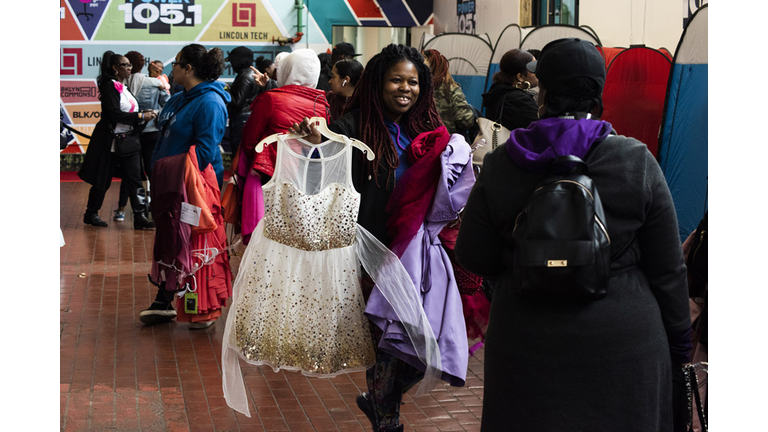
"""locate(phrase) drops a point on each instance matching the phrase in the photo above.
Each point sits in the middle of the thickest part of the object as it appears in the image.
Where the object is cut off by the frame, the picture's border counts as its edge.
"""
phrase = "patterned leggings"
(388, 379)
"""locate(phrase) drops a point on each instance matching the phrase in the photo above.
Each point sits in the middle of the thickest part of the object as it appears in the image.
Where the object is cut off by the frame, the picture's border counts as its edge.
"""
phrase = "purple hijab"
(542, 141)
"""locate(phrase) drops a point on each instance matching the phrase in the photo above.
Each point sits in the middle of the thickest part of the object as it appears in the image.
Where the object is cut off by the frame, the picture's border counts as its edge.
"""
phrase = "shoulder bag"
(492, 132)
(127, 144)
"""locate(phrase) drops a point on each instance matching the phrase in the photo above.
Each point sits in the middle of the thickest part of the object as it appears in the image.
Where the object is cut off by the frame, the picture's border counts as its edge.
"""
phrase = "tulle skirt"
(299, 310)
(304, 311)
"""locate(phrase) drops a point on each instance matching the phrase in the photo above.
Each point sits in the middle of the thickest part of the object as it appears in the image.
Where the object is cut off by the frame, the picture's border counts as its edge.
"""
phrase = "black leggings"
(148, 140)
(130, 171)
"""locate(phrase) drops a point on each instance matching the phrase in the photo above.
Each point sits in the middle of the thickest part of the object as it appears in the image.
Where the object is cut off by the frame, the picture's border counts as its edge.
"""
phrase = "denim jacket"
(151, 96)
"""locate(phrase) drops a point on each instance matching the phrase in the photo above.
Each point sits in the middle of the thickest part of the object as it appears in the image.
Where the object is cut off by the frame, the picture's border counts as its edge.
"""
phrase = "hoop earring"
(538, 112)
(523, 85)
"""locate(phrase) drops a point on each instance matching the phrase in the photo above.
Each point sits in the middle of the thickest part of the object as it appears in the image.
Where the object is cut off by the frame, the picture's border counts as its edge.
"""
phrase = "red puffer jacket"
(274, 112)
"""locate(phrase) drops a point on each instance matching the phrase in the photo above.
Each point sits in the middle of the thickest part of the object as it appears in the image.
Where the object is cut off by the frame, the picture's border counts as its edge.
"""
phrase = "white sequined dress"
(297, 301)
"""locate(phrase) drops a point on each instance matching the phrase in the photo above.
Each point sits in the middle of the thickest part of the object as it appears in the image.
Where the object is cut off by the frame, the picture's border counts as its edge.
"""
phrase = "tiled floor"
(118, 375)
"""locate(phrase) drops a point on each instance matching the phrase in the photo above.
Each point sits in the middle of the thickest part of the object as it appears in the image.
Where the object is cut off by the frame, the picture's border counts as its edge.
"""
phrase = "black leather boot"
(141, 222)
(92, 218)
(366, 406)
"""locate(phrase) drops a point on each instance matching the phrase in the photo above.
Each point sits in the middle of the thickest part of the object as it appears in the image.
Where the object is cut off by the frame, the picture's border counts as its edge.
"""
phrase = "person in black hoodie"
(243, 90)
(325, 72)
(599, 366)
(511, 87)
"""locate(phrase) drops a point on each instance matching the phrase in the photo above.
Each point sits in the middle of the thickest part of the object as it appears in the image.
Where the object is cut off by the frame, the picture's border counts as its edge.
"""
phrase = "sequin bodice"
(326, 220)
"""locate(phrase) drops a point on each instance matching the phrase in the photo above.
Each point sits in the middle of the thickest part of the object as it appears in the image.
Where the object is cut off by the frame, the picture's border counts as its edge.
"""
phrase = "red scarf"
(410, 200)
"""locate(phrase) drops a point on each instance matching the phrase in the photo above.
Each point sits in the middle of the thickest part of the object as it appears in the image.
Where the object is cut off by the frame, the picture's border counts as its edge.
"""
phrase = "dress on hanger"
(297, 303)
(185, 254)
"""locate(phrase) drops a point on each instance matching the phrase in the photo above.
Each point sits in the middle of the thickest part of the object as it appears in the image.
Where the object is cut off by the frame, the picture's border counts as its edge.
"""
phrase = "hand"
(260, 78)
(148, 115)
(307, 131)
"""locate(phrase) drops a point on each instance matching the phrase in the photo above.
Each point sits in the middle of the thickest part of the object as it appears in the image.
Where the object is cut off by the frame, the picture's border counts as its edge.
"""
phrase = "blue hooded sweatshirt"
(200, 119)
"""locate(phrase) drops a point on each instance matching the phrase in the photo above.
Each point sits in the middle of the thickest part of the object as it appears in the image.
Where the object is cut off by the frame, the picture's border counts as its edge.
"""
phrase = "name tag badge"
(190, 214)
(190, 302)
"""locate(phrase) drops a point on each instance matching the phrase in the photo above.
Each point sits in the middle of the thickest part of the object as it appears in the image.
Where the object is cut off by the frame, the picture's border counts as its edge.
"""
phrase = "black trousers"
(129, 169)
(236, 125)
(148, 140)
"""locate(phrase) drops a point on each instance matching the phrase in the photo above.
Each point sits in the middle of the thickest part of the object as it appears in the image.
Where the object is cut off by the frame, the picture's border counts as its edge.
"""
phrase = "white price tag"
(190, 214)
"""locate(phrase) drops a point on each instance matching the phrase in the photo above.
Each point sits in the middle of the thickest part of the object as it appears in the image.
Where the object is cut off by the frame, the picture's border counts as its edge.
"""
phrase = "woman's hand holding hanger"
(307, 130)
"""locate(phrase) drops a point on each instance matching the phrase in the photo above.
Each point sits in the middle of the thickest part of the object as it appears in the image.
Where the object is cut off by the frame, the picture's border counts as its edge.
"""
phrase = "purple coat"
(430, 269)
(172, 237)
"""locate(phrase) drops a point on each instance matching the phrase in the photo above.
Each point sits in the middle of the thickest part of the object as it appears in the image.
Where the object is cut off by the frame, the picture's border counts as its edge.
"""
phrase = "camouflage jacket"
(453, 108)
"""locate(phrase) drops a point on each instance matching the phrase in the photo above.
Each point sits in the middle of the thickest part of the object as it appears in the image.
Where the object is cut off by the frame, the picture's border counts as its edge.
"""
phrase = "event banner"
(157, 29)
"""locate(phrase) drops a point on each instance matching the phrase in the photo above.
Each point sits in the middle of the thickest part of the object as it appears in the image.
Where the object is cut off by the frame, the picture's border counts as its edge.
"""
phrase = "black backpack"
(562, 250)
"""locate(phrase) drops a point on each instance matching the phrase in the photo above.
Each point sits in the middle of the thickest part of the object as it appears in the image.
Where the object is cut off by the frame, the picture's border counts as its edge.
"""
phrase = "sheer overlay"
(297, 302)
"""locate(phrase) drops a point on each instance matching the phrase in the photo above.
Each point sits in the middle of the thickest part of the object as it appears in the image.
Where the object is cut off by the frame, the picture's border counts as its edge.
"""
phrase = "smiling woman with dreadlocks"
(392, 104)
(408, 194)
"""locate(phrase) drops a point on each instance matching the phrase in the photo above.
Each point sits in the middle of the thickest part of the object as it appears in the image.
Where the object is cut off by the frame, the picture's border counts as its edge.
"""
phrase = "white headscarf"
(301, 67)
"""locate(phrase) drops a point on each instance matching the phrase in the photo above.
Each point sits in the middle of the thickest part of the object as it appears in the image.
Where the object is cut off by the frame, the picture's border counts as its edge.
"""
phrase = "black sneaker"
(366, 406)
(141, 222)
(157, 313)
(93, 219)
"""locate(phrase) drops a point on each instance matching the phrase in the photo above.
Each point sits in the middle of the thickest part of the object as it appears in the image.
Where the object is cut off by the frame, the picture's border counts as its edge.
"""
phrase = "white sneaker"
(200, 325)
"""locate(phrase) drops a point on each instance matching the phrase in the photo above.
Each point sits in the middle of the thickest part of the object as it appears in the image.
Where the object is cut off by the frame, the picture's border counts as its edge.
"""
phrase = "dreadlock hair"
(367, 98)
(439, 65)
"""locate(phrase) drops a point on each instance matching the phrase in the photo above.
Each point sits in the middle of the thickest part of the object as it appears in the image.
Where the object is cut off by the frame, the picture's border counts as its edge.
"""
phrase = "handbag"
(230, 202)
(492, 132)
(127, 144)
(692, 394)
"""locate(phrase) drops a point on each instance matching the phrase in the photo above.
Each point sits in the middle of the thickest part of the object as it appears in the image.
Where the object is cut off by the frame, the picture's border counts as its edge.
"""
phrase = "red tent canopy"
(609, 54)
(633, 98)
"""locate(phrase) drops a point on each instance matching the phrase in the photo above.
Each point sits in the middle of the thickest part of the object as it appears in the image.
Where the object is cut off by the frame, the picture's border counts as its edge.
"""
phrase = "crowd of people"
(393, 243)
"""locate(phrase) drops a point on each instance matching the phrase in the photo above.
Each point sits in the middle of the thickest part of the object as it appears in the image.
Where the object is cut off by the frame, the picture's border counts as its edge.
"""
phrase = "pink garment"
(252, 207)
(214, 280)
(164, 79)
(120, 87)
(183, 179)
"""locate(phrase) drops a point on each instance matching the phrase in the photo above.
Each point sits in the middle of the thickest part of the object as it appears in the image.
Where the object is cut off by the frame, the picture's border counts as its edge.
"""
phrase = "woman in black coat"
(602, 365)
(119, 115)
(243, 90)
(510, 100)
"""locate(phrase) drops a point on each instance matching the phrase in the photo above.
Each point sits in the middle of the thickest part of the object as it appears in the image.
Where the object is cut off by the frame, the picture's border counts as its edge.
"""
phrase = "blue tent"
(683, 144)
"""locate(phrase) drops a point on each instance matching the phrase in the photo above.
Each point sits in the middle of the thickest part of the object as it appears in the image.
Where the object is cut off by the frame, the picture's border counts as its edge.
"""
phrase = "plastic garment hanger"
(322, 127)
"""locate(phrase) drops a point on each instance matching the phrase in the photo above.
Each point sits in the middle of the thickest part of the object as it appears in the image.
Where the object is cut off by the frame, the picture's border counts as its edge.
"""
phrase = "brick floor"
(118, 375)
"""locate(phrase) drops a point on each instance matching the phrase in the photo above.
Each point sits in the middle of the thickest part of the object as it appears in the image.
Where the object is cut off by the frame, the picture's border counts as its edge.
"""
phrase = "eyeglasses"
(179, 64)
(124, 64)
